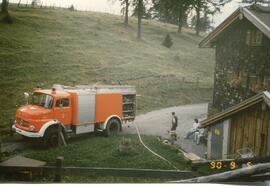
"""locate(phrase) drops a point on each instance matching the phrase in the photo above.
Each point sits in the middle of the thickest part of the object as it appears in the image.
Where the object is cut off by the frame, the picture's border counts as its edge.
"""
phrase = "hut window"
(238, 78)
(254, 38)
(230, 76)
(266, 83)
(244, 77)
(252, 81)
(256, 83)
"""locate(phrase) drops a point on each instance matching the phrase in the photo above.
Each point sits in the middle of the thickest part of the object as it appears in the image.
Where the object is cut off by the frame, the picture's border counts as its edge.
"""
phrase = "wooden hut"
(242, 44)
(243, 126)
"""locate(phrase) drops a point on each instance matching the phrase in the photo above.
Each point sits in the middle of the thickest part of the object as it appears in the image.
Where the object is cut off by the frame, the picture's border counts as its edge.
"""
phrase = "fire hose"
(154, 153)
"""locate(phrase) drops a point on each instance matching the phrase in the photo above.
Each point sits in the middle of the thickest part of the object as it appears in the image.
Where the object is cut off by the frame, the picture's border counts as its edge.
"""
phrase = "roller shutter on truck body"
(86, 111)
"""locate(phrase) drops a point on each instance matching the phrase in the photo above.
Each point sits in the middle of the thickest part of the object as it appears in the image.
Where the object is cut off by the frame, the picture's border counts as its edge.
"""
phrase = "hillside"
(59, 46)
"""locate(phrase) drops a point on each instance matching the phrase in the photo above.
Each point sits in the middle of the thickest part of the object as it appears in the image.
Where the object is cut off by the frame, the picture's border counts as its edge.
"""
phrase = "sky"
(114, 8)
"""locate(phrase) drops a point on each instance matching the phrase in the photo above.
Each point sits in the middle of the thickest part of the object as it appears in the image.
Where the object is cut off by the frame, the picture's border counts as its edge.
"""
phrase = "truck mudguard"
(47, 125)
(104, 125)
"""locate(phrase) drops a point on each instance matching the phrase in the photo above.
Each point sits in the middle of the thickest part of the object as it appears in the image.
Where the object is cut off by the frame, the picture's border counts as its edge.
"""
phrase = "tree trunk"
(180, 19)
(205, 24)
(198, 10)
(4, 7)
(126, 12)
(139, 19)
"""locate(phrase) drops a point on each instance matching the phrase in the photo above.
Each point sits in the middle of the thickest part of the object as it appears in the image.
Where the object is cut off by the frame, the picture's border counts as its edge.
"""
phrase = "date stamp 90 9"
(231, 165)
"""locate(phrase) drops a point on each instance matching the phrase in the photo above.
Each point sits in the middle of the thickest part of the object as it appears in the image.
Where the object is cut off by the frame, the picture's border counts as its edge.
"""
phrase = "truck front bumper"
(26, 133)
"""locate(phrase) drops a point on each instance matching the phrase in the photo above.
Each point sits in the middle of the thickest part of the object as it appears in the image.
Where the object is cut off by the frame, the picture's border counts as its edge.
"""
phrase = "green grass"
(104, 152)
(59, 46)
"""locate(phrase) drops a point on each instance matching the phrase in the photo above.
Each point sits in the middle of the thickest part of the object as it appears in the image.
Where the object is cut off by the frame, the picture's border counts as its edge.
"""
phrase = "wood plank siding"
(251, 128)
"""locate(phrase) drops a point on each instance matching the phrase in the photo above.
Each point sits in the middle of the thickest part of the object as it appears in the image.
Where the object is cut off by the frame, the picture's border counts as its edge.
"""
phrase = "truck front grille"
(22, 122)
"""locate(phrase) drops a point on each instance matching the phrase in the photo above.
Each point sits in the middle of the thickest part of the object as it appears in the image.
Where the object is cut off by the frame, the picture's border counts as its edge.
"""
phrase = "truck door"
(62, 110)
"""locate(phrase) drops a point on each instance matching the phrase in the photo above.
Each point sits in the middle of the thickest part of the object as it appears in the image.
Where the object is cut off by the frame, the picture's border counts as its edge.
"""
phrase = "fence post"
(1, 150)
(61, 138)
(59, 170)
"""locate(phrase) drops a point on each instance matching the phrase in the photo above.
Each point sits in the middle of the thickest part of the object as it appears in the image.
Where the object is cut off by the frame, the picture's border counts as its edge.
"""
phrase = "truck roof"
(100, 89)
(57, 94)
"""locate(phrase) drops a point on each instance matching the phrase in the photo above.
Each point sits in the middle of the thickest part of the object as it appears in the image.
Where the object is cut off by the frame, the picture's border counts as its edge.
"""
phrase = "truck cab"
(44, 106)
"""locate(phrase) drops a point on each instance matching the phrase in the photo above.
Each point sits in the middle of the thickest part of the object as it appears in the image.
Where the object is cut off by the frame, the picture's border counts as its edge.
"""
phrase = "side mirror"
(26, 96)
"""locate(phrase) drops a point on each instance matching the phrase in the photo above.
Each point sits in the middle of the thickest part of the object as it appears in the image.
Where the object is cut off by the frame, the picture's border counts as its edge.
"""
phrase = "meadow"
(52, 46)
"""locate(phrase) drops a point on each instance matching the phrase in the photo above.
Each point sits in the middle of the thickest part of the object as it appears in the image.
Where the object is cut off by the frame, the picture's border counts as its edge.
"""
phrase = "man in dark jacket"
(173, 128)
(174, 121)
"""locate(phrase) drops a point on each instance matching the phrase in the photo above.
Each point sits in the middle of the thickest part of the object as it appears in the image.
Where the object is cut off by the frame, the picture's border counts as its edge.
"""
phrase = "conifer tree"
(167, 41)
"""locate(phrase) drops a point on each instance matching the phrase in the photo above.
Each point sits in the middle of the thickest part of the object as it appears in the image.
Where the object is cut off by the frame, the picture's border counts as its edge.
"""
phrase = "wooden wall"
(251, 128)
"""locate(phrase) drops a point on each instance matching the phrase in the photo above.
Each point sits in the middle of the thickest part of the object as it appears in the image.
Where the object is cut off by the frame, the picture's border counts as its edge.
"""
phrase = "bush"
(167, 41)
(125, 148)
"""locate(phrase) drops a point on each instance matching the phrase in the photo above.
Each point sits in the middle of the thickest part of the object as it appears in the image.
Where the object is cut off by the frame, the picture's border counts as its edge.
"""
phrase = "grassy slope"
(103, 152)
(58, 46)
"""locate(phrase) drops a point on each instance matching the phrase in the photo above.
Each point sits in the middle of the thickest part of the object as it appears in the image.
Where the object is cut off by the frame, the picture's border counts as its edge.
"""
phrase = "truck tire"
(113, 127)
(50, 138)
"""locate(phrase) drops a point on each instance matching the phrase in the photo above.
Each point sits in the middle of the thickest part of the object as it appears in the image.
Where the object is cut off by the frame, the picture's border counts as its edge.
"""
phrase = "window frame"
(254, 37)
(61, 99)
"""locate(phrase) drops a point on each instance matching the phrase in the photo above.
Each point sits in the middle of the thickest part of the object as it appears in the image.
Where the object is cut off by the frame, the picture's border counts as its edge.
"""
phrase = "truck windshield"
(43, 100)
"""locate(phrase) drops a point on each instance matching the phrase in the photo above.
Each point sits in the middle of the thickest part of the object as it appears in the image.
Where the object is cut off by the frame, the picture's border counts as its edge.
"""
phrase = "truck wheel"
(113, 127)
(50, 138)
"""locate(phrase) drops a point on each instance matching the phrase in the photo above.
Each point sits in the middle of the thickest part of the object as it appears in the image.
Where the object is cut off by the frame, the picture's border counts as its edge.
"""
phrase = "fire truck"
(78, 110)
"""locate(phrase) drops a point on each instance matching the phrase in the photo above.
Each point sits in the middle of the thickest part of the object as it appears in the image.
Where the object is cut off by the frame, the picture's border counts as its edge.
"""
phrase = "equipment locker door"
(86, 112)
(86, 108)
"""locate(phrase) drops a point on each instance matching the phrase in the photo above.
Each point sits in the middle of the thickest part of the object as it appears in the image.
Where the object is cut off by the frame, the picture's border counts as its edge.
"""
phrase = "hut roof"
(256, 14)
(263, 96)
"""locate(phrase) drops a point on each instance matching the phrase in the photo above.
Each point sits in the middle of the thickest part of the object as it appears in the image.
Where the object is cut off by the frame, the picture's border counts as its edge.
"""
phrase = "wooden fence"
(59, 171)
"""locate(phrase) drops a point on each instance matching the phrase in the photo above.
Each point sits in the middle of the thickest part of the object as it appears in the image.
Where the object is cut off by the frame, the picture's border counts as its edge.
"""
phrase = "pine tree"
(205, 7)
(171, 11)
(125, 4)
(167, 41)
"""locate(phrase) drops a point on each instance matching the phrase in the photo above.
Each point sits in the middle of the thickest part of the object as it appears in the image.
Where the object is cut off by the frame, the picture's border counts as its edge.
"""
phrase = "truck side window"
(63, 102)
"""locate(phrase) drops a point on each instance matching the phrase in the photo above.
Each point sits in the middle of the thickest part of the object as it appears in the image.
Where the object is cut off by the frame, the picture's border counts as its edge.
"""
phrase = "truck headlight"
(31, 128)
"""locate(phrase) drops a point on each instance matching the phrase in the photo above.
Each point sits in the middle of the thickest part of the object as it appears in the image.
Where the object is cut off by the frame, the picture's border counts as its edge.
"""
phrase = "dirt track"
(159, 122)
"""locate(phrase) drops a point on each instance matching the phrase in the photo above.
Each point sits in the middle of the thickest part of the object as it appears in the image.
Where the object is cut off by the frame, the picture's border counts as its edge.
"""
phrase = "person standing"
(173, 128)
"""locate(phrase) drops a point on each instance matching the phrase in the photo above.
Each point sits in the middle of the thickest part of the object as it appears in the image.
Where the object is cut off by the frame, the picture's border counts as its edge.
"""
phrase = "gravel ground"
(159, 122)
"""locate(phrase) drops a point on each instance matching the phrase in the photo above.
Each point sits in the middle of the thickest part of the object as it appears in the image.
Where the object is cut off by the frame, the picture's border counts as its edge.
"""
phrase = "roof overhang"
(241, 12)
(264, 96)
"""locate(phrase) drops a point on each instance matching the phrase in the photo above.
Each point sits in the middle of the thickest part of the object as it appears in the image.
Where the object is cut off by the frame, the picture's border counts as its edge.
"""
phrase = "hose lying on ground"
(159, 156)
